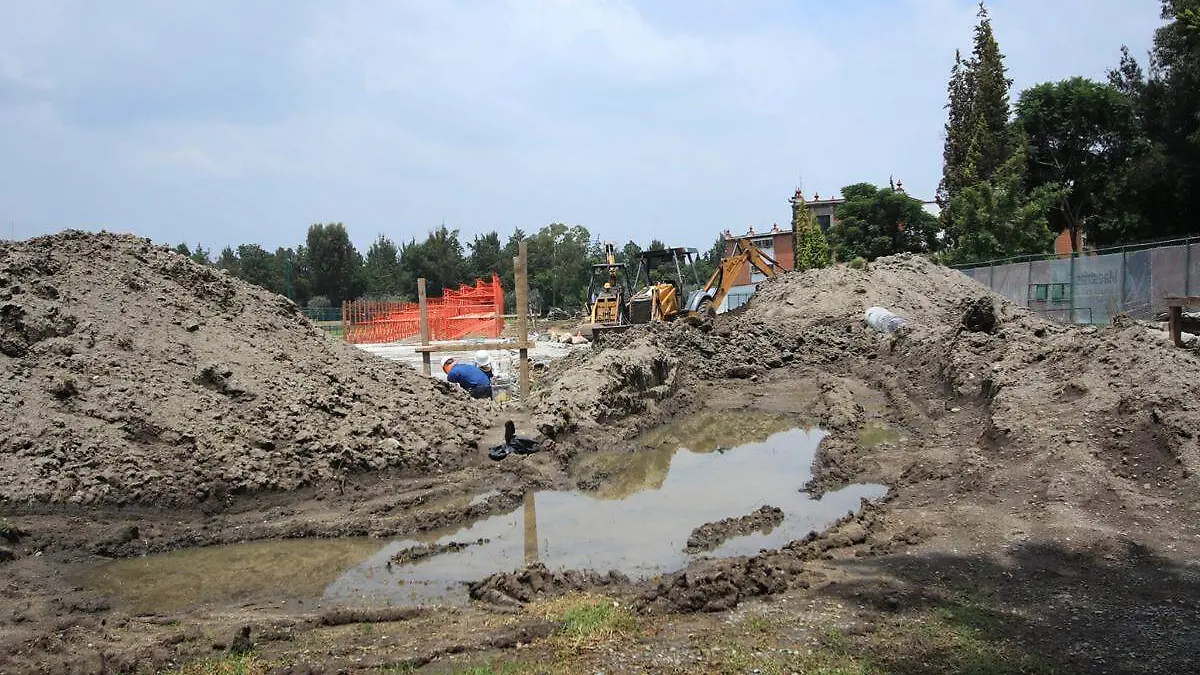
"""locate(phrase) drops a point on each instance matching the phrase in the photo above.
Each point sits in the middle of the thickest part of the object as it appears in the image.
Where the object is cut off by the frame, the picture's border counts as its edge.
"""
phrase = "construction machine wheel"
(705, 309)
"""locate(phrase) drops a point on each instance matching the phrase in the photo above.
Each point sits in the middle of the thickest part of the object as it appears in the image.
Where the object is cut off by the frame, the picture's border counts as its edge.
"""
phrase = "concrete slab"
(504, 361)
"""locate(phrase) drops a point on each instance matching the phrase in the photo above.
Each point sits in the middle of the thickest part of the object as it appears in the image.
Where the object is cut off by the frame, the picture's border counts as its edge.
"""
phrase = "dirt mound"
(134, 375)
(1007, 413)
(612, 384)
(521, 586)
(711, 535)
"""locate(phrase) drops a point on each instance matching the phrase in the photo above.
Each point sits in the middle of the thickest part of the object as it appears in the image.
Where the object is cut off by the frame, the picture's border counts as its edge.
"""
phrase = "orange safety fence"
(470, 311)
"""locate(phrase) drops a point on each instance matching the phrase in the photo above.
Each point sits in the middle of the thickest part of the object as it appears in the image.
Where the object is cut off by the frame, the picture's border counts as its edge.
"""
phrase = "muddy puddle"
(637, 521)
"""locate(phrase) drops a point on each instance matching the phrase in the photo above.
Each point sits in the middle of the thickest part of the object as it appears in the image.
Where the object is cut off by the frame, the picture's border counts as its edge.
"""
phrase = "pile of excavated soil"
(129, 374)
(1019, 430)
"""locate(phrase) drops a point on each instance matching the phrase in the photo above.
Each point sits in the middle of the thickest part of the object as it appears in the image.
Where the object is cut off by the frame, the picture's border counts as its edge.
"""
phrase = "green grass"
(601, 619)
(248, 664)
(499, 669)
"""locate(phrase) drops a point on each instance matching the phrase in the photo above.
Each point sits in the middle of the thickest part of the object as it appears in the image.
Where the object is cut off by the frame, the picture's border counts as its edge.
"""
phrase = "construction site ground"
(1040, 512)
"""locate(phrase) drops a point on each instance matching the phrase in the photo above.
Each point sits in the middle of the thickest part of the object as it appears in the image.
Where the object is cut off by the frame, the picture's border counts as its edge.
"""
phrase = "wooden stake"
(521, 276)
(424, 323)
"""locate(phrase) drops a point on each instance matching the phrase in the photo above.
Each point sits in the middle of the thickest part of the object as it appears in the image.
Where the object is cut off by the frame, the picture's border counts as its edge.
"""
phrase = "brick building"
(777, 242)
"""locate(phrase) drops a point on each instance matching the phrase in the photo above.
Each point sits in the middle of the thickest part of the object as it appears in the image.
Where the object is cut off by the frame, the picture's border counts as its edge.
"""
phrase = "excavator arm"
(722, 280)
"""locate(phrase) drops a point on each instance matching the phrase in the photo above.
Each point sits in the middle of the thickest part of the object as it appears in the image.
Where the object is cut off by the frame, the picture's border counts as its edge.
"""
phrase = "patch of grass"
(758, 624)
(957, 637)
(586, 621)
(497, 669)
(734, 658)
(248, 664)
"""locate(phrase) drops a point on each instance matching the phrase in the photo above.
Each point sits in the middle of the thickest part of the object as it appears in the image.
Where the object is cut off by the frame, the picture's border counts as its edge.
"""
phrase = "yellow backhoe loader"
(705, 301)
(665, 293)
(606, 291)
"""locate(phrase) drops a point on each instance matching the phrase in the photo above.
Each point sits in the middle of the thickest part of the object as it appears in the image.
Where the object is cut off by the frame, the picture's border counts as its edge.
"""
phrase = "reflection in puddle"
(640, 529)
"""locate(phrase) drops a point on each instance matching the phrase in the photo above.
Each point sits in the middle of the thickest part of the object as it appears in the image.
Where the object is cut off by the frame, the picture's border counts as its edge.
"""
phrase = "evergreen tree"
(335, 264)
(954, 152)
(487, 257)
(815, 253)
(801, 217)
(1000, 218)
(381, 271)
(989, 145)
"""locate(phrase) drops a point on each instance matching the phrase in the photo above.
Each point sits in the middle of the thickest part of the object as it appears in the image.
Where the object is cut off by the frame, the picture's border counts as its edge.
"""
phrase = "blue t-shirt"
(468, 376)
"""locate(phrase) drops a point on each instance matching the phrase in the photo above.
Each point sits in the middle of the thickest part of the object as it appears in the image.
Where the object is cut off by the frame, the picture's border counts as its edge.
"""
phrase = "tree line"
(327, 268)
(1108, 162)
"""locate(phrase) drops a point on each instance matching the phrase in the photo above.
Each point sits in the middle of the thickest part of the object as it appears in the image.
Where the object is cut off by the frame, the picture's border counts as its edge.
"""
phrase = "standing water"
(638, 522)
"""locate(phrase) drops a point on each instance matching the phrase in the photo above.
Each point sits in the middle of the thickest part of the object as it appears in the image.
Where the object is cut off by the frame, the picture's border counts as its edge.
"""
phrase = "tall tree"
(292, 269)
(1163, 180)
(989, 144)
(202, 255)
(335, 263)
(228, 261)
(1081, 136)
(875, 222)
(978, 134)
(412, 266)
(999, 218)
(444, 264)
(815, 253)
(381, 270)
(711, 259)
(259, 267)
(630, 255)
(956, 173)
(487, 256)
(558, 265)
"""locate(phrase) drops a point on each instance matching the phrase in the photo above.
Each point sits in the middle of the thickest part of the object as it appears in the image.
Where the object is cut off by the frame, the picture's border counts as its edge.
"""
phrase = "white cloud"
(635, 119)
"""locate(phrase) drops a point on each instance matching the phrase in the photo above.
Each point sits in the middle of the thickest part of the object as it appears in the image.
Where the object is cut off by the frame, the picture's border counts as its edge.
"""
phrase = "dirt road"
(1042, 512)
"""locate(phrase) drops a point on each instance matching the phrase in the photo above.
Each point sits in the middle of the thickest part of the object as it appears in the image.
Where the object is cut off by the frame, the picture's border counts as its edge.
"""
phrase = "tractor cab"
(663, 279)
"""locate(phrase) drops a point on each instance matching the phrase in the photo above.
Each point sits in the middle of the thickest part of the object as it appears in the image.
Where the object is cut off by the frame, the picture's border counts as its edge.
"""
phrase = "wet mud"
(711, 535)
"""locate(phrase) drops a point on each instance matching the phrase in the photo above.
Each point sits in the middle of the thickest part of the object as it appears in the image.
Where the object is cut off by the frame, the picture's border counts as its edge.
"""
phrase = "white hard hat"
(482, 359)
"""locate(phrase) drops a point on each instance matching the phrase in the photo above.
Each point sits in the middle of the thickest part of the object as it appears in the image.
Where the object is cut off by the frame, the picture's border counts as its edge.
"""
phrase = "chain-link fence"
(1094, 286)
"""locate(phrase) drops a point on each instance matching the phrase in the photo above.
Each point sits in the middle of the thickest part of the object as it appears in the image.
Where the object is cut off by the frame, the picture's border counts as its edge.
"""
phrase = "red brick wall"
(784, 255)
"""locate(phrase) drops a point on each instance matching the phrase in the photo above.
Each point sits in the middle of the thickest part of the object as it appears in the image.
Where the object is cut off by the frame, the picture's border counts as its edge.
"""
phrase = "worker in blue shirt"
(468, 376)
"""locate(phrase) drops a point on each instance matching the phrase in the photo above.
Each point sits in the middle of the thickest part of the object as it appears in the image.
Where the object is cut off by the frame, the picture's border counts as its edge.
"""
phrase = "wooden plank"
(423, 324)
(1181, 300)
(521, 276)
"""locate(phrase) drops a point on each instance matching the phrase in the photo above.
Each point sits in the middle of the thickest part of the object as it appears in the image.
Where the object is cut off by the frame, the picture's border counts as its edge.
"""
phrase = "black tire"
(705, 310)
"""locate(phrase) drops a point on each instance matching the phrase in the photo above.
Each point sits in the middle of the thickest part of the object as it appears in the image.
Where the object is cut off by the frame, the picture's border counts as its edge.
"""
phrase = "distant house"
(1062, 243)
(777, 242)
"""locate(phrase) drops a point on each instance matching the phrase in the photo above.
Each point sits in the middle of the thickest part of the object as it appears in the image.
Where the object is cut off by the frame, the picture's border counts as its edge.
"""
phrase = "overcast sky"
(235, 122)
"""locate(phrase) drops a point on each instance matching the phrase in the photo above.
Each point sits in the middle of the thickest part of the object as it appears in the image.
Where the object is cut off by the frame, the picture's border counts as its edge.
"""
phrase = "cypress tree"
(954, 153)
(989, 86)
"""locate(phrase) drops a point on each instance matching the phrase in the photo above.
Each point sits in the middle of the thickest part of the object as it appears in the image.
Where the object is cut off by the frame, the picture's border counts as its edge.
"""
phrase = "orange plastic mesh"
(469, 311)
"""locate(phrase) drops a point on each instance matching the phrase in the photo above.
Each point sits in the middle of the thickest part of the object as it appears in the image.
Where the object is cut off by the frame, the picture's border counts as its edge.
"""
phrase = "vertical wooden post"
(423, 309)
(521, 276)
(1175, 324)
(531, 535)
